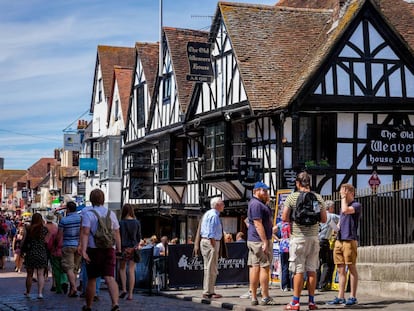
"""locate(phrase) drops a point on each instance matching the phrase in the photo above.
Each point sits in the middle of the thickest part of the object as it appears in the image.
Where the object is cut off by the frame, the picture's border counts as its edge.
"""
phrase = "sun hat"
(50, 217)
(260, 185)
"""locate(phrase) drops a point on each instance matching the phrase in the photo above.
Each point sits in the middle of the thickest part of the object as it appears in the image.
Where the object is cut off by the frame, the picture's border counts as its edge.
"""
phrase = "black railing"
(387, 214)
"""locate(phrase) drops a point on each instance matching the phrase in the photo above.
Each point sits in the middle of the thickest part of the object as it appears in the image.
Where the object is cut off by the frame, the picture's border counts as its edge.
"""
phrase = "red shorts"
(102, 262)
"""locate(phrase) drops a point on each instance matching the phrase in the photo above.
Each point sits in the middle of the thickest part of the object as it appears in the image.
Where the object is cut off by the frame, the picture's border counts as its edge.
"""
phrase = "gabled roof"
(123, 76)
(177, 40)
(108, 57)
(279, 48)
(148, 54)
(270, 44)
(8, 177)
(39, 171)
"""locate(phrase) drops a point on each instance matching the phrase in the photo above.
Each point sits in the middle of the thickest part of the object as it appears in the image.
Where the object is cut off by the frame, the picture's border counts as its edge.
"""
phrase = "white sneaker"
(248, 294)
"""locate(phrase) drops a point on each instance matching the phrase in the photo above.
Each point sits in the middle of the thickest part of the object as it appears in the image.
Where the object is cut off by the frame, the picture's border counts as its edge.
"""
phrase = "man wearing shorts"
(69, 231)
(304, 245)
(99, 261)
(345, 250)
(259, 243)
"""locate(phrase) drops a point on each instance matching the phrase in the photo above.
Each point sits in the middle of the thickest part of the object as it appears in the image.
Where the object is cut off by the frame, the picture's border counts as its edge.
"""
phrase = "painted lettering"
(388, 134)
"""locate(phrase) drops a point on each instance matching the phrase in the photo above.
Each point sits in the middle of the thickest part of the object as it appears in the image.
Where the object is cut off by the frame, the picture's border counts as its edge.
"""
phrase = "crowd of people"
(65, 249)
(311, 243)
(78, 244)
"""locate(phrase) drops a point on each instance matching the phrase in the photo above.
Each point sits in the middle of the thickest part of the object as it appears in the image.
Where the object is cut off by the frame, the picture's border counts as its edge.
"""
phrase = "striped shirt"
(300, 230)
(71, 229)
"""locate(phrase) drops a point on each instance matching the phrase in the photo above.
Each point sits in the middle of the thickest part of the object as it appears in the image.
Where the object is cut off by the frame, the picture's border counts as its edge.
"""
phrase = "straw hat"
(50, 217)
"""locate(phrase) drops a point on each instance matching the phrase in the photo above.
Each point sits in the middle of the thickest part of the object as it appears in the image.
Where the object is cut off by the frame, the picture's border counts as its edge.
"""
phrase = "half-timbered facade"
(103, 142)
(323, 86)
(138, 171)
(305, 85)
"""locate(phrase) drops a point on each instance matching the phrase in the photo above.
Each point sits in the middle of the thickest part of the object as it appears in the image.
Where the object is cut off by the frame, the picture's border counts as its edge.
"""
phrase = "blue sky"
(47, 61)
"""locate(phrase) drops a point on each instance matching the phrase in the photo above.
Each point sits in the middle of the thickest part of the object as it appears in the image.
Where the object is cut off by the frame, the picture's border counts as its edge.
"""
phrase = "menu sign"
(390, 145)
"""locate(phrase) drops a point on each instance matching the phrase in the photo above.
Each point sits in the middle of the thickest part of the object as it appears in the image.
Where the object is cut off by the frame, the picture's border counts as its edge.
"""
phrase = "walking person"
(130, 229)
(211, 232)
(54, 247)
(326, 231)
(4, 246)
(35, 254)
(345, 250)
(304, 242)
(69, 233)
(16, 246)
(259, 243)
(100, 260)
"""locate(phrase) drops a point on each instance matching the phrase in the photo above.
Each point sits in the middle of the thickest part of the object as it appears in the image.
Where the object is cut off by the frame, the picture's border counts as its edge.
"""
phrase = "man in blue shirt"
(259, 243)
(211, 233)
(345, 251)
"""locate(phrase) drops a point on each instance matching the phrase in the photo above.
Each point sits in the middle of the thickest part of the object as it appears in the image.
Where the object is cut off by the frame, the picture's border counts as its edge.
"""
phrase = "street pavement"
(12, 299)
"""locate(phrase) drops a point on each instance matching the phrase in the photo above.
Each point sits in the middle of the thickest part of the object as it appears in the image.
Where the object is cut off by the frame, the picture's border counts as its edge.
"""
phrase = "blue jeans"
(84, 278)
(286, 277)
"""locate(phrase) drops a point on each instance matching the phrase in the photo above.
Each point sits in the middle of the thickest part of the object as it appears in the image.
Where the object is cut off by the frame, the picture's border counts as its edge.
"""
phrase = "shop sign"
(199, 61)
(390, 145)
(250, 171)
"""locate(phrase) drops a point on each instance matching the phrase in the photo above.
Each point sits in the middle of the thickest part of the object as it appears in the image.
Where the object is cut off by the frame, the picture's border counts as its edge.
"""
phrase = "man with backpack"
(100, 232)
(305, 210)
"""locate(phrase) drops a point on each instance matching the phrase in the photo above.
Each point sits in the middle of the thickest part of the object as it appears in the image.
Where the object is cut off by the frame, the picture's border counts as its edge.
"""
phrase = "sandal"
(122, 295)
(85, 308)
(73, 294)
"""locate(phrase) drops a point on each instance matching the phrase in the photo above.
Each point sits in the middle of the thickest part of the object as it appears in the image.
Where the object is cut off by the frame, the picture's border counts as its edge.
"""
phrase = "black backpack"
(307, 210)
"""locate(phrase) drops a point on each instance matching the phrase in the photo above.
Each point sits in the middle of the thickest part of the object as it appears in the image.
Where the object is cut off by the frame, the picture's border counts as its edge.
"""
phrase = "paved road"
(12, 287)
(12, 298)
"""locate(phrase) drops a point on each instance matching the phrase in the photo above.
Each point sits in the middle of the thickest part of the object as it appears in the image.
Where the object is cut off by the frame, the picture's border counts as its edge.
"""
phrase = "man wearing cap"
(304, 245)
(259, 243)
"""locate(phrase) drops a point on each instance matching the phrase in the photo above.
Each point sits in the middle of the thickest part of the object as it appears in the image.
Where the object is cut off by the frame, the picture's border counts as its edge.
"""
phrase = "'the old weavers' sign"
(200, 62)
(390, 145)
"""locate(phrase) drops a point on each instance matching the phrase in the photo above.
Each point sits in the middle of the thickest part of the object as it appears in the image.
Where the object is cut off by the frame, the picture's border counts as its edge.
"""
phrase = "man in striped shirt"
(69, 230)
(304, 245)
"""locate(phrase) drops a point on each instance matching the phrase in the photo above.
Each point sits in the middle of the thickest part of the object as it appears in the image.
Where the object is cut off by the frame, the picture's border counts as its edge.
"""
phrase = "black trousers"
(326, 266)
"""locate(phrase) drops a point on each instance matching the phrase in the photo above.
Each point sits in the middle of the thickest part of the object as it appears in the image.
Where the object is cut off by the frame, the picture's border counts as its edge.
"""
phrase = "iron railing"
(387, 216)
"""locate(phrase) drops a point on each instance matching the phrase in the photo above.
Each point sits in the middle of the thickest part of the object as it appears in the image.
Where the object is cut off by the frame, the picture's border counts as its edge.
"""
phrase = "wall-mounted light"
(227, 116)
(284, 140)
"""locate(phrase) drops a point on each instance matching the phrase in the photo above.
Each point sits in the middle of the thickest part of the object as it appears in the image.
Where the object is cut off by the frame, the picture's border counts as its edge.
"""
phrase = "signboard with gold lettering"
(199, 61)
(390, 145)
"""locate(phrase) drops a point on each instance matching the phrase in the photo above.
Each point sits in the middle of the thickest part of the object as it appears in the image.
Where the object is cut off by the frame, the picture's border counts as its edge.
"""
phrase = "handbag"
(137, 255)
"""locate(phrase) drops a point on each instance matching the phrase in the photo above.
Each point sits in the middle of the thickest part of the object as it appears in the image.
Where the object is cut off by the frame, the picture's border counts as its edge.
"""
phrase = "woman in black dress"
(130, 229)
(35, 255)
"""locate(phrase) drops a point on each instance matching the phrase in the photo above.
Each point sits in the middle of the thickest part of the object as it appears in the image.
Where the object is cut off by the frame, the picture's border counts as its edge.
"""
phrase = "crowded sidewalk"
(12, 288)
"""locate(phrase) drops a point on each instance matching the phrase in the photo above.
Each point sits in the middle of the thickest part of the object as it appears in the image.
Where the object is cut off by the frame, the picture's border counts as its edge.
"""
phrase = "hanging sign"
(199, 61)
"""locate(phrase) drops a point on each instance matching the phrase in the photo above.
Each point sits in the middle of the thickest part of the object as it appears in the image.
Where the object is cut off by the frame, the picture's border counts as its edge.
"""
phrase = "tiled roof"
(310, 4)
(123, 76)
(177, 40)
(148, 53)
(270, 44)
(108, 57)
(279, 48)
(40, 168)
(10, 176)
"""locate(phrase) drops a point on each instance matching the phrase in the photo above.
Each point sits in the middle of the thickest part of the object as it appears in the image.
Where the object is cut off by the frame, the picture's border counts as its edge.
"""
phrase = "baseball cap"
(262, 185)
